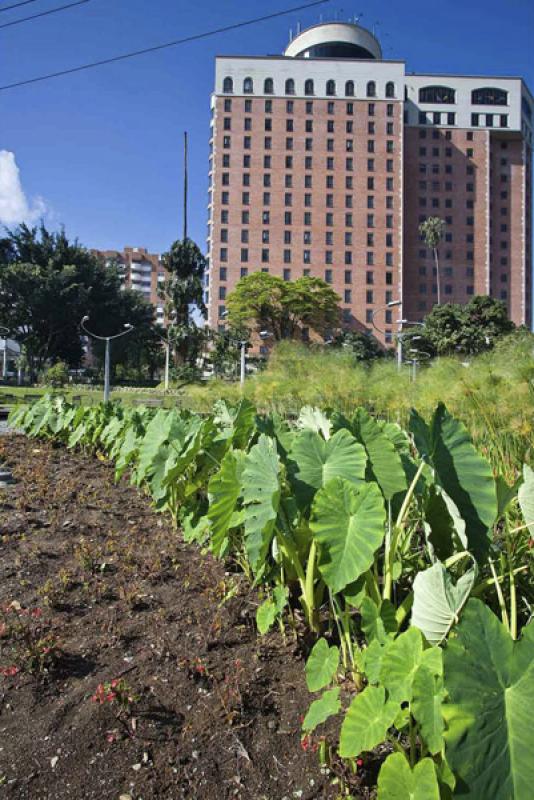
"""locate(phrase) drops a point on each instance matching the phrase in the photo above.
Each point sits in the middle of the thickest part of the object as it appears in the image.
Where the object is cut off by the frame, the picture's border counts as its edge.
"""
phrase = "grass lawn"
(9, 395)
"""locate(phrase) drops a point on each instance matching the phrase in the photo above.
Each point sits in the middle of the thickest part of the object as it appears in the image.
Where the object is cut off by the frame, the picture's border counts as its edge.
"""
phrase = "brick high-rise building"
(325, 160)
(140, 270)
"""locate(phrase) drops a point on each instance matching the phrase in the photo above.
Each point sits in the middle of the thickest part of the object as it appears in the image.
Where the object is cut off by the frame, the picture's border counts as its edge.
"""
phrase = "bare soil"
(219, 708)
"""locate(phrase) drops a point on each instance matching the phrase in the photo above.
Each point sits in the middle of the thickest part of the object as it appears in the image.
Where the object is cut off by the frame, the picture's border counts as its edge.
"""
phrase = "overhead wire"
(155, 48)
(43, 13)
(17, 5)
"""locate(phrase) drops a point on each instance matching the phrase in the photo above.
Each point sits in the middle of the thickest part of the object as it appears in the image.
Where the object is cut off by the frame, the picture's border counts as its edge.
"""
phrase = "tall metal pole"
(185, 185)
(243, 359)
(4, 365)
(399, 339)
(106, 373)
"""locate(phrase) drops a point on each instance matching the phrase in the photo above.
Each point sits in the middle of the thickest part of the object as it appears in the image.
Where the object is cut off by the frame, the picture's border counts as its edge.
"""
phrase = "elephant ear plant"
(400, 551)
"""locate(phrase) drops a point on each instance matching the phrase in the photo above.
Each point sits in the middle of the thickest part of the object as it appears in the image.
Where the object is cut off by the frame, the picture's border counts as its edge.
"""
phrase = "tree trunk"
(438, 281)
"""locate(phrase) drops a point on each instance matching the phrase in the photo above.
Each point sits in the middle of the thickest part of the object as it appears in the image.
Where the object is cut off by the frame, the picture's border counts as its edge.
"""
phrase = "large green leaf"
(464, 474)
(437, 601)
(313, 419)
(426, 706)
(444, 527)
(320, 710)
(261, 499)
(318, 461)
(367, 721)
(348, 523)
(398, 781)
(526, 497)
(400, 662)
(378, 622)
(157, 433)
(224, 490)
(321, 665)
(384, 460)
(489, 678)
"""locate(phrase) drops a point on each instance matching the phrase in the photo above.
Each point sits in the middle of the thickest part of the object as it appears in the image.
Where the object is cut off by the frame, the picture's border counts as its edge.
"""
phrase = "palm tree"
(432, 230)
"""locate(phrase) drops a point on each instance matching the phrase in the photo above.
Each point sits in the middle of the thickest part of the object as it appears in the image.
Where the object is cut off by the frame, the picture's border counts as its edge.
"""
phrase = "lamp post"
(391, 304)
(167, 344)
(417, 356)
(107, 339)
(5, 333)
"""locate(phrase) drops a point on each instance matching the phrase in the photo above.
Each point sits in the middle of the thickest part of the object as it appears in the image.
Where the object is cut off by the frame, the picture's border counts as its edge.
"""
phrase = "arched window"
(248, 86)
(268, 86)
(489, 96)
(437, 94)
(371, 89)
(228, 86)
(308, 86)
(330, 88)
(349, 89)
(290, 86)
(390, 89)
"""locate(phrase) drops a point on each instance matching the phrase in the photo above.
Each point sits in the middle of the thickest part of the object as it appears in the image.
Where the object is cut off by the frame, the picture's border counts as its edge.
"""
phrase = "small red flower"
(8, 672)
(359, 762)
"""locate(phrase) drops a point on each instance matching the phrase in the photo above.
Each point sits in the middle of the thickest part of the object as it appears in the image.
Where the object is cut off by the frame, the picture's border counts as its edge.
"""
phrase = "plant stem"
(500, 597)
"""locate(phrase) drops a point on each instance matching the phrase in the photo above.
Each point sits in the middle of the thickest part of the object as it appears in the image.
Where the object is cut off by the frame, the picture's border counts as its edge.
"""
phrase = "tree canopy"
(261, 301)
(182, 291)
(470, 329)
(48, 283)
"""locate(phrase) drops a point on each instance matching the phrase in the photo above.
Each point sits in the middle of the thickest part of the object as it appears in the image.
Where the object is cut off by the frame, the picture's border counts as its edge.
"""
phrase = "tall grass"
(493, 394)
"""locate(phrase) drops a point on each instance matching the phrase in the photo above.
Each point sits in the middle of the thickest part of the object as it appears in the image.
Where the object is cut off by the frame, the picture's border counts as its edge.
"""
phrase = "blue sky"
(103, 148)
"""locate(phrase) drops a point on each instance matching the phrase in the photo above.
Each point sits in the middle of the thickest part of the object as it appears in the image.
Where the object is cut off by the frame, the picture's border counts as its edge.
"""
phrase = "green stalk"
(481, 587)
(309, 597)
(391, 552)
(413, 743)
(500, 597)
(513, 594)
(339, 631)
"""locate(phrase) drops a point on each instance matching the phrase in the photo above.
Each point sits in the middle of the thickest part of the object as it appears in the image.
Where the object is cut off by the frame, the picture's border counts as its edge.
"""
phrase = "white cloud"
(14, 205)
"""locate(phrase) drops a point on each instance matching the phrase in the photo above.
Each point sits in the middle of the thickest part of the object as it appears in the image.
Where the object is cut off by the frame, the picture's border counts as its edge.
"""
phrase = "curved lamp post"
(416, 357)
(107, 339)
(400, 322)
(5, 333)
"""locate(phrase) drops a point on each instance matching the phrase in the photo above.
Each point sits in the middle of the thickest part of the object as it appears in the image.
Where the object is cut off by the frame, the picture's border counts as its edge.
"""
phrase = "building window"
(371, 109)
(347, 295)
(349, 89)
(223, 254)
(244, 255)
(268, 86)
(390, 89)
(308, 87)
(287, 256)
(228, 85)
(451, 118)
(290, 86)
(371, 89)
(489, 96)
(436, 117)
(328, 275)
(350, 109)
(266, 217)
(245, 198)
(306, 256)
(475, 120)
(328, 256)
(309, 106)
(227, 105)
(244, 236)
(503, 120)
(437, 94)
(330, 88)
(489, 120)
(348, 257)
(265, 256)
(348, 276)
(369, 298)
(248, 86)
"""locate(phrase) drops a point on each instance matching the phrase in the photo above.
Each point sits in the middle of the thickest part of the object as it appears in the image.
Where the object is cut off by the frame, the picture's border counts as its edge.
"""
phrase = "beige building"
(324, 161)
(140, 270)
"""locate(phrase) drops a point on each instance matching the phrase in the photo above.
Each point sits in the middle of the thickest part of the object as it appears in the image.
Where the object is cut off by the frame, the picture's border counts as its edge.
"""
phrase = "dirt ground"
(101, 588)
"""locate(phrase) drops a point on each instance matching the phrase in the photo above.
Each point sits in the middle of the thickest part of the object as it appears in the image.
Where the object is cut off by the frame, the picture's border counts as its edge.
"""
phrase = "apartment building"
(325, 160)
(140, 270)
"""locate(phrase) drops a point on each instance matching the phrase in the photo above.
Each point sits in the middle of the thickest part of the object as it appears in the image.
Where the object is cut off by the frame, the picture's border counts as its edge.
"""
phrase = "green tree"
(47, 284)
(464, 330)
(362, 346)
(432, 230)
(266, 302)
(181, 293)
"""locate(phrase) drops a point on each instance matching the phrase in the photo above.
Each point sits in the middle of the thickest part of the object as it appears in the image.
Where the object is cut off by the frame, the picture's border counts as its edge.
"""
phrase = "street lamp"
(391, 304)
(417, 356)
(5, 332)
(107, 339)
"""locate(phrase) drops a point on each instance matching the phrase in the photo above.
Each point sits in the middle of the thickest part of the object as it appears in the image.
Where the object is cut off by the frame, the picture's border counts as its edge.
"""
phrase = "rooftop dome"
(334, 40)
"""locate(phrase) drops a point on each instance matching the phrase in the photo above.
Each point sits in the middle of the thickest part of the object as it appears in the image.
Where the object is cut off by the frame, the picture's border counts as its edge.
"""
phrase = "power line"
(43, 13)
(155, 48)
(17, 5)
